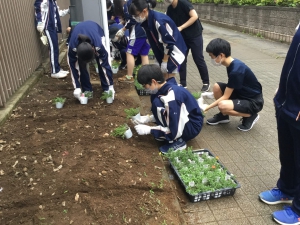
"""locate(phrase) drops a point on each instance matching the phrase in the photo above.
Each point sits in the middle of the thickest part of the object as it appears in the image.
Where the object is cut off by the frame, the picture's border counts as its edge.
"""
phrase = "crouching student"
(86, 43)
(241, 96)
(175, 111)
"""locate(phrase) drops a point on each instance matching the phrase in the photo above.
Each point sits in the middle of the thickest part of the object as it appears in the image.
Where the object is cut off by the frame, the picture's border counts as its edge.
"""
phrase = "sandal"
(126, 79)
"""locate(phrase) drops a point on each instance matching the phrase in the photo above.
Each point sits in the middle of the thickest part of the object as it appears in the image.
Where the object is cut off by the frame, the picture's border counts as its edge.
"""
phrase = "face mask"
(168, 1)
(213, 61)
(152, 92)
(139, 19)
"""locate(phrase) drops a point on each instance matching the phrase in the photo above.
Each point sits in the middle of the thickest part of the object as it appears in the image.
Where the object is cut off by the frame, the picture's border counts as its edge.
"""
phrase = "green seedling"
(120, 131)
(106, 95)
(131, 112)
(59, 99)
(196, 95)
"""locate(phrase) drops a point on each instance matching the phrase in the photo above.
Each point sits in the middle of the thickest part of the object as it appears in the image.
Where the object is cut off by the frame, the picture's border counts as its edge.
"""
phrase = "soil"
(62, 166)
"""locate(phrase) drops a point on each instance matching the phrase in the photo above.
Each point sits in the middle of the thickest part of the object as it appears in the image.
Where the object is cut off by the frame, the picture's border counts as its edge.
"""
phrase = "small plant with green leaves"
(196, 95)
(88, 94)
(59, 99)
(136, 69)
(107, 94)
(115, 64)
(131, 112)
(138, 85)
(120, 131)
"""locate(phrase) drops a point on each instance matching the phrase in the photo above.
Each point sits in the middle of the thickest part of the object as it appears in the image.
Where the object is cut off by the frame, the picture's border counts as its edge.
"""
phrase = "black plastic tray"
(142, 92)
(207, 195)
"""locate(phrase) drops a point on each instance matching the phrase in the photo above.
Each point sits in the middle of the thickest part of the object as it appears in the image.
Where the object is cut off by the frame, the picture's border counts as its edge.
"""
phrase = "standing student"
(47, 16)
(175, 111)
(87, 43)
(186, 19)
(241, 96)
(164, 37)
(287, 108)
(137, 44)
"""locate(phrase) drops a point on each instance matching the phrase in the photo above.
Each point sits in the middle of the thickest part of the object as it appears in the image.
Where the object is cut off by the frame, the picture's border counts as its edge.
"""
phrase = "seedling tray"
(206, 195)
(142, 92)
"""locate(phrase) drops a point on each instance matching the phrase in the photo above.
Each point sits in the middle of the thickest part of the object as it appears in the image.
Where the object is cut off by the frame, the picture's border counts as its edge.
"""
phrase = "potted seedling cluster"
(59, 102)
(115, 66)
(108, 96)
(122, 131)
(201, 174)
(133, 113)
(139, 88)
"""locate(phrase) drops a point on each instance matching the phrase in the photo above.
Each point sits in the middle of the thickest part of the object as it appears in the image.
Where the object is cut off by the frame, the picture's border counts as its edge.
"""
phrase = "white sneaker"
(77, 93)
(59, 75)
(64, 71)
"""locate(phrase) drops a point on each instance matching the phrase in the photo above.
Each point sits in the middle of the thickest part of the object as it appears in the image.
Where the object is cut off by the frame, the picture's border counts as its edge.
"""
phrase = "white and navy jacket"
(174, 109)
(165, 38)
(135, 29)
(43, 10)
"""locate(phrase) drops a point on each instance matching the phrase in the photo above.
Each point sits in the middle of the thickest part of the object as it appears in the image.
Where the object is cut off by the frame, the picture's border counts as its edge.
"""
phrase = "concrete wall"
(277, 23)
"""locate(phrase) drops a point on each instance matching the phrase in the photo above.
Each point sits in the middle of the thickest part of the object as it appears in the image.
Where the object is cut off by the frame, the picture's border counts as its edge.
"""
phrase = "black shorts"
(249, 106)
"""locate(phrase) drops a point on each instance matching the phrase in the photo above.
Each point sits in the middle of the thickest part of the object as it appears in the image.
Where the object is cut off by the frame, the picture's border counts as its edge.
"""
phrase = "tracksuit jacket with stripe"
(165, 38)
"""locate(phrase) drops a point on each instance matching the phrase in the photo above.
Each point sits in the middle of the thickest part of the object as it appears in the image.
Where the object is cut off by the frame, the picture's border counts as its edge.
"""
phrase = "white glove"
(208, 95)
(163, 67)
(142, 129)
(40, 27)
(111, 88)
(144, 119)
(77, 93)
(120, 33)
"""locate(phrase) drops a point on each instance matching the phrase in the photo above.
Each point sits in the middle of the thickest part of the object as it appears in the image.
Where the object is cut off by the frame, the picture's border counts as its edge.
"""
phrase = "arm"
(38, 10)
(225, 96)
(63, 12)
(193, 17)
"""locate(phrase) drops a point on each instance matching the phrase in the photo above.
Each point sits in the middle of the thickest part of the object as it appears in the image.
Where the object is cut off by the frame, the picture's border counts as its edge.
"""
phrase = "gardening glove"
(40, 27)
(142, 129)
(111, 88)
(120, 33)
(143, 119)
(208, 95)
(163, 67)
(77, 93)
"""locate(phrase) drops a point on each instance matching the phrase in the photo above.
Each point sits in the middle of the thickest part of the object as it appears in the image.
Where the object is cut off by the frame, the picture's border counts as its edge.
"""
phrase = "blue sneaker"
(275, 196)
(286, 216)
(175, 145)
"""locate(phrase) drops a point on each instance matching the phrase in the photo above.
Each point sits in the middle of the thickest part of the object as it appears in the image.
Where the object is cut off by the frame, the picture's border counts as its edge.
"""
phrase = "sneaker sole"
(282, 223)
(277, 202)
(222, 121)
(206, 90)
(257, 118)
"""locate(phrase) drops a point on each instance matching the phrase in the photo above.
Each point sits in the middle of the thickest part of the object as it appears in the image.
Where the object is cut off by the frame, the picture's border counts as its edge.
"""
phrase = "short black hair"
(85, 52)
(218, 46)
(139, 5)
(148, 72)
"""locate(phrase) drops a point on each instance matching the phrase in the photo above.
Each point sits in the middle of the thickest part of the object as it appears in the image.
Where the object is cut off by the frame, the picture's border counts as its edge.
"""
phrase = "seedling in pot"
(106, 95)
(120, 131)
(59, 99)
(131, 112)
(88, 94)
(115, 64)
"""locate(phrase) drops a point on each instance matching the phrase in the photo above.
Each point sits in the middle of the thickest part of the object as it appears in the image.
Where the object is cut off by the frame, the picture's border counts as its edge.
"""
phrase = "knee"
(222, 106)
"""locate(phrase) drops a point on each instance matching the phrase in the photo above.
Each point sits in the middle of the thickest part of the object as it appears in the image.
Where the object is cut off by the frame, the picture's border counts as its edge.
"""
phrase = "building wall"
(277, 23)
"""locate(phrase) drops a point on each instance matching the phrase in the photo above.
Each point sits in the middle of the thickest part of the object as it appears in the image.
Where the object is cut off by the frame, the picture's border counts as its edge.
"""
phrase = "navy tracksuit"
(80, 76)
(47, 11)
(287, 105)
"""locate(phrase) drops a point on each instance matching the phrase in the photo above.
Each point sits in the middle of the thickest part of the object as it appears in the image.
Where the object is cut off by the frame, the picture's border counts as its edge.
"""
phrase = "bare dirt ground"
(59, 166)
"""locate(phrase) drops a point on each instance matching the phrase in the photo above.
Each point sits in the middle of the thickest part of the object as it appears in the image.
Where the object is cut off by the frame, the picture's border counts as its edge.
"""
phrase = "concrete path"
(251, 156)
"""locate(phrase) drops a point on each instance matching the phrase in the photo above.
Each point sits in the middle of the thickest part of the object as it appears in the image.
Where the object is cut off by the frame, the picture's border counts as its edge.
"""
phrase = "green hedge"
(285, 3)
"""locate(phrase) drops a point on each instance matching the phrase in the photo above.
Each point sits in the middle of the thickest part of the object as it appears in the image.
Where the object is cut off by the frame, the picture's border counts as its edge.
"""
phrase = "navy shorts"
(249, 106)
(138, 46)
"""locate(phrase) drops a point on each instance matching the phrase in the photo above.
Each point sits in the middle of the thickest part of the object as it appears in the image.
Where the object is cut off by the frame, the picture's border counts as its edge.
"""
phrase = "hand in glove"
(142, 129)
(163, 67)
(77, 93)
(40, 27)
(120, 33)
(143, 119)
(111, 88)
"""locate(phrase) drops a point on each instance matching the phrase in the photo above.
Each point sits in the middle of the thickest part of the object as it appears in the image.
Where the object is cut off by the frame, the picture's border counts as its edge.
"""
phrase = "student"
(164, 37)
(241, 96)
(86, 43)
(47, 15)
(287, 108)
(110, 13)
(175, 111)
(137, 44)
(120, 45)
(186, 19)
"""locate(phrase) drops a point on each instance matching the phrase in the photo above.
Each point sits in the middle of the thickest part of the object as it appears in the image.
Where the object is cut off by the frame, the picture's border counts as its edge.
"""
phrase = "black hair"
(108, 4)
(118, 8)
(140, 5)
(85, 51)
(218, 46)
(148, 72)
